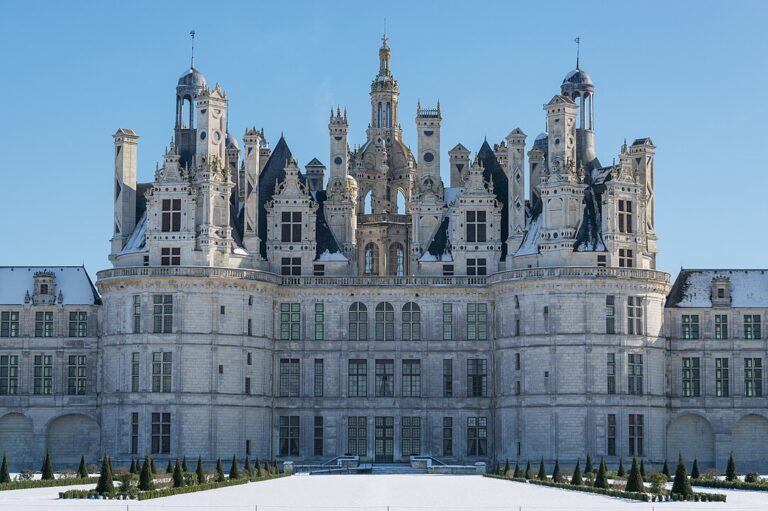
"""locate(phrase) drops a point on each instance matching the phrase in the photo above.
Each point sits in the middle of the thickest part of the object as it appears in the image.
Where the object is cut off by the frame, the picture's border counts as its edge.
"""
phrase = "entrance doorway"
(385, 442)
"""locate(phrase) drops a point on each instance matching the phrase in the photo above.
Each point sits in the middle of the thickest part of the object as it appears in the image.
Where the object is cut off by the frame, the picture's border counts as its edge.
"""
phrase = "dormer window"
(171, 215)
(475, 225)
(720, 292)
(625, 216)
(291, 228)
(43, 289)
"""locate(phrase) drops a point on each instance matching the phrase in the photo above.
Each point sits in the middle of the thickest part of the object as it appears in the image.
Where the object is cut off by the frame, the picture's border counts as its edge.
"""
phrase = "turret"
(189, 86)
(211, 125)
(315, 172)
(516, 197)
(428, 122)
(459, 159)
(126, 146)
(561, 127)
(578, 86)
(337, 131)
(384, 96)
(253, 165)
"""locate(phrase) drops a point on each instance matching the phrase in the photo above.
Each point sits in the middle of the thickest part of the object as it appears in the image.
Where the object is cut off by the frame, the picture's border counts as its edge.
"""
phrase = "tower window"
(475, 225)
(290, 266)
(171, 215)
(371, 259)
(170, 256)
(626, 258)
(291, 229)
(625, 216)
(476, 266)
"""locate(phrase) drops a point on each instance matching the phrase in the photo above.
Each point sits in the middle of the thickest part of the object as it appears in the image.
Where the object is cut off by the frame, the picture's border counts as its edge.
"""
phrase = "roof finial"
(384, 37)
(192, 60)
(578, 45)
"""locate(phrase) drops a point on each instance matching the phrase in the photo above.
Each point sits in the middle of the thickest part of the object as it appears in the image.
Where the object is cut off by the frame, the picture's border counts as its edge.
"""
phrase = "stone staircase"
(396, 468)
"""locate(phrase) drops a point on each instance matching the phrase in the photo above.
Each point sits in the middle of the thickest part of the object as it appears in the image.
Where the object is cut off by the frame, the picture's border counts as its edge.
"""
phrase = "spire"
(192, 59)
(578, 46)
(384, 56)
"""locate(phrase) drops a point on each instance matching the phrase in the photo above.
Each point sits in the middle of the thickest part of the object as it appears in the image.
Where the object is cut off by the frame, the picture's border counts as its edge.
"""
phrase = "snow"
(373, 493)
(136, 242)
(429, 258)
(749, 288)
(240, 251)
(72, 281)
(327, 256)
(530, 243)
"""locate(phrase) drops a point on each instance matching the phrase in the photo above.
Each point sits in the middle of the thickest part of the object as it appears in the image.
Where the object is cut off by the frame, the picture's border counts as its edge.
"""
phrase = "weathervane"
(192, 61)
(578, 44)
(384, 37)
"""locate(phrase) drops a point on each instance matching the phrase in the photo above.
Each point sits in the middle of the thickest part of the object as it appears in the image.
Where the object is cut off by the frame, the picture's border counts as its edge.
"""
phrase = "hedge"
(168, 492)
(47, 483)
(730, 485)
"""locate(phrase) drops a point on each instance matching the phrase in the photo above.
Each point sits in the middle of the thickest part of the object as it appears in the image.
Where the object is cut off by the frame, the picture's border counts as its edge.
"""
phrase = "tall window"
(477, 266)
(162, 312)
(475, 225)
(477, 321)
(625, 216)
(447, 436)
(626, 258)
(319, 321)
(610, 314)
(318, 435)
(611, 436)
(411, 322)
(385, 322)
(752, 326)
(371, 259)
(290, 321)
(721, 326)
(635, 374)
(690, 326)
(634, 315)
(691, 377)
(290, 266)
(161, 433)
(357, 383)
(289, 377)
(477, 436)
(389, 115)
(289, 435)
(9, 324)
(477, 377)
(357, 435)
(76, 375)
(411, 385)
(291, 226)
(170, 256)
(635, 434)
(385, 378)
(447, 377)
(136, 314)
(9, 375)
(319, 377)
(135, 371)
(611, 372)
(78, 324)
(171, 215)
(162, 369)
(397, 258)
(135, 433)
(43, 324)
(43, 375)
(358, 322)
(753, 377)
(410, 436)
(447, 322)
(722, 377)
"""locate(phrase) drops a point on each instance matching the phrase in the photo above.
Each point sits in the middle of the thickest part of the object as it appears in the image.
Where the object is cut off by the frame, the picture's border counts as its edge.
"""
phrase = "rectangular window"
(290, 321)
(447, 322)
(691, 377)
(690, 326)
(135, 371)
(289, 435)
(635, 434)
(78, 324)
(162, 365)
(290, 266)
(161, 433)
(634, 315)
(447, 436)
(626, 258)
(477, 377)
(136, 314)
(170, 256)
(517, 361)
(722, 377)
(76, 375)
(291, 228)
(410, 436)
(721, 326)
(247, 386)
(318, 270)
(447, 377)
(611, 434)
(319, 321)
(753, 377)
(611, 372)
(43, 375)
(625, 216)
(477, 266)
(357, 379)
(602, 261)
(249, 327)
(43, 324)
(411, 385)
(752, 326)
(289, 377)
(318, 451)
(385, 378)
(9, 324)
(447, 270)
(162, 311)
(135, 433)
(477, 436)
(9, 375)
(319, 377)
(610, 314)
(635, 374)
(171, 215)
(357, 436)
(475, 225)
(477, 321)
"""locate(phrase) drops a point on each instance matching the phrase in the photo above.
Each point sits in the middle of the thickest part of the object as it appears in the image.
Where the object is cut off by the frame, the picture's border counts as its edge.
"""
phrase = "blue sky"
(689, 74)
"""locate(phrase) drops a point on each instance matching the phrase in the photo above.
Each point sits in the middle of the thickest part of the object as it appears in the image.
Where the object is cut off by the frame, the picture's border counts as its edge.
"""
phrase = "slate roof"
(439, 244)
(749, 288)
(73, 282)
(326, 241)
(493, 171)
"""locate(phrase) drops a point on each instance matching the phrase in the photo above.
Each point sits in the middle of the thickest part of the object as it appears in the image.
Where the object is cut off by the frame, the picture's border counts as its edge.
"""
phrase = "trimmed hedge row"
(93, 494)
(729, 485)
(168, 492)
(47, 483)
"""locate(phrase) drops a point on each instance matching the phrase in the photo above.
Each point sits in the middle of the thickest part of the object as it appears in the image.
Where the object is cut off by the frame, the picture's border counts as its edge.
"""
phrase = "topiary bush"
(542, 475)
(105, 485)
(695, 469)
(199, 470)
(219, 472)
(601, 479)
(234, 472)
(621, 472)
(730, 469)
(635, 479)
(5, 476)
(146, 482)
(47, 468)
(576, 479)
(681, 484)
(588, 468)
(556, 476)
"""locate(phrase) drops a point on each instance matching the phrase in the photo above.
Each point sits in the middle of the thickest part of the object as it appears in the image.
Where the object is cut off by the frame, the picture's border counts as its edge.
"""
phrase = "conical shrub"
(146, 481)
(730, 469)
(199, 470)
(47, 468)
(82, 470)
(601, 479)
(621, 472)
(169, 467)
(105, 485)
(556, 477)
(588, 468)
(134, 469)
(681, 484)
(178, 476)
(5, 476)
(542, 475)
(516, 472)
(234, 472)
(219, 472)
(184, 464)
(635, 479)
(665, 469)
(695, 469)
(576, 479)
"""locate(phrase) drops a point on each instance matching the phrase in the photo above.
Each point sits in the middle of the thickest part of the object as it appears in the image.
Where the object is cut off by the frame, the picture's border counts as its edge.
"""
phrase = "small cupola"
(720, 292)
(45, 288)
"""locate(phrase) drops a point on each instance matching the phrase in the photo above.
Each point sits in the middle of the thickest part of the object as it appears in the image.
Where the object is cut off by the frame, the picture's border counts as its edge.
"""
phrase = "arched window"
(378, 117)
(385, 322)
(411, 322)
(371, 259)
(368, 203)
(389, 115)
(396, 260)
(358, 322)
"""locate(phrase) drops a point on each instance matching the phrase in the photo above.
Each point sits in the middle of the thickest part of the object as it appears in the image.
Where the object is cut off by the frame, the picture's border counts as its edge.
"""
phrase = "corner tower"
(384, 96)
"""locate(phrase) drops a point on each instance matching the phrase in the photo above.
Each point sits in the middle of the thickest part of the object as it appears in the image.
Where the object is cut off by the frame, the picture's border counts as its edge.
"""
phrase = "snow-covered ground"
(374, 493)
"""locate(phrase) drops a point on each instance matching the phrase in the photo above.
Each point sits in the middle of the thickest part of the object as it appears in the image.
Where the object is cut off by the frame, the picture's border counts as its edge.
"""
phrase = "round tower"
(577, 85)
